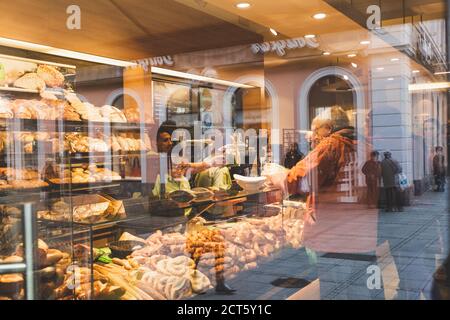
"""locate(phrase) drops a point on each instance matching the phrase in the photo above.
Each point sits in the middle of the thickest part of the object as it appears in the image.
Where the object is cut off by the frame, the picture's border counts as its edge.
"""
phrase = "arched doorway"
(327, 87)
(330, 91)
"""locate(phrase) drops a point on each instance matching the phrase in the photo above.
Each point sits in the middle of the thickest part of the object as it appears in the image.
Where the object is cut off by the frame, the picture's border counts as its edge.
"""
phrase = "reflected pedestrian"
(372, 171)
(439, 169)
(390, 169)
(293, 156)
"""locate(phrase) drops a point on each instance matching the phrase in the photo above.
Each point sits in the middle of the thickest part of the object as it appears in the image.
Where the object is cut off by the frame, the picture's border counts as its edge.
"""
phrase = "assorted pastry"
(10, 228)
(50, 107)
(11, 142)
(85, 209)
(90, 174)
(51, 267)
(11, 178)
(77, 142)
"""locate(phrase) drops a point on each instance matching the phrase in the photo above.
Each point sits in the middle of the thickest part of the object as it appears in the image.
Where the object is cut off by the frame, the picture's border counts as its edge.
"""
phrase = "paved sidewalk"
(414, 243)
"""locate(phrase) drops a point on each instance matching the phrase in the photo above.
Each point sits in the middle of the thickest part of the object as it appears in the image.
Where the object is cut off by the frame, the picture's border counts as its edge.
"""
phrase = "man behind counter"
(206, 175)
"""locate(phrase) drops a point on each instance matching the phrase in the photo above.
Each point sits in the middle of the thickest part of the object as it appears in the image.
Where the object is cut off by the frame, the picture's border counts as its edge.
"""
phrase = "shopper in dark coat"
(372, 171)
(293, 156)
(439, 169)
(390, 169)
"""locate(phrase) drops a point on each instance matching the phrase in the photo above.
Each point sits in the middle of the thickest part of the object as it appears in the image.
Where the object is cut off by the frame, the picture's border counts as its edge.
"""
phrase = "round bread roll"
(53, 256)
(51, 76)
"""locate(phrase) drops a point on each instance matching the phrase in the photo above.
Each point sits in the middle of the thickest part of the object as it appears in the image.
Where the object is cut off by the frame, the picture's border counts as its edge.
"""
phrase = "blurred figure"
(335, 223)
(439, 169)
(390, 169)
(293, 156)
(372, 171)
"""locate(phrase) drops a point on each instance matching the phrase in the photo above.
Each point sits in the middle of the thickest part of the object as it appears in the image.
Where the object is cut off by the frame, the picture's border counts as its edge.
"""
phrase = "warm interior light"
(243, 5)
(354, 65)
(429, 86)
(310, 36)
(345, 77)
(416, 71)
(319, 16)
(365, 42)
(390, 79)
(184, 75)
(395, 59)
(380, 68)
(63, 53)
(351, 55)
(326, 53)
(274, 32)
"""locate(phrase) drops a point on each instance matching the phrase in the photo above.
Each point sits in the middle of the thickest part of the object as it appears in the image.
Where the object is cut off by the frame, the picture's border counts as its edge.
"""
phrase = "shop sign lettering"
(374, 19)
(374, 279)
(147, 63)
(74, 20)
(281, 46)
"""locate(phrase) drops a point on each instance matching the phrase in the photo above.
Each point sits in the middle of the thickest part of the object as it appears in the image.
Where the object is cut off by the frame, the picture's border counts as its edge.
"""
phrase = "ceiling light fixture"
(365, 42)
(310, 36)
(354, 65)
(390, 79)
(429, 86)
(395, 59)
(380, 68)
(319, 16)
(416, 71)
(326, 53)
(351, 55)
(243, 5)
(442, 72)
(345, 77)
(184, 75)
(63, 53)
(273, 31)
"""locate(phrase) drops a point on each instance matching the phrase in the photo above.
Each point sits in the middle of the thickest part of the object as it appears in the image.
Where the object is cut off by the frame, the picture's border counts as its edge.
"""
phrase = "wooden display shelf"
(30, 91)
(39, 125)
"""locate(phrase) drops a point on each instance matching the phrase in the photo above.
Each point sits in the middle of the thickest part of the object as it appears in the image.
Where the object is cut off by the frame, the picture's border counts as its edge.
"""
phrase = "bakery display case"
(80, 220)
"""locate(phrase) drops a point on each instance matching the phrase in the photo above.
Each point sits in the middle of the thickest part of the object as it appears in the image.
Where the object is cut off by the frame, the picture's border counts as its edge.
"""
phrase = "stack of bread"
(62, 110)
(10, 228)
(20, 179)
(82, 143)
(85, 209)
(5, 109)
(128, 142)
(132, 114)
(10, 142)
(89, 175)
(112, 114)
(51, 267)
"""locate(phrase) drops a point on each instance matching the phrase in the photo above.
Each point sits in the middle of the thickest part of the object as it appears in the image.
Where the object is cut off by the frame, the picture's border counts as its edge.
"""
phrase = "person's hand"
(217, 161)
(279, 180)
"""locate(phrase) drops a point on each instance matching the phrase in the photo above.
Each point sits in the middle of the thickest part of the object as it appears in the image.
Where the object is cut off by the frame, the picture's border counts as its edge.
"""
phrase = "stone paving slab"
(418, 239)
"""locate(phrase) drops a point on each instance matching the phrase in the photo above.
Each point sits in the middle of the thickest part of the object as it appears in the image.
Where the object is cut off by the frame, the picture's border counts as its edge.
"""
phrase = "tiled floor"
(418, 242)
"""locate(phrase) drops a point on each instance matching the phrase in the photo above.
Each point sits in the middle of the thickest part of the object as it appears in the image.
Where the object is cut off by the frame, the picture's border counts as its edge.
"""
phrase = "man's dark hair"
(168, 126)
(374, 154)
